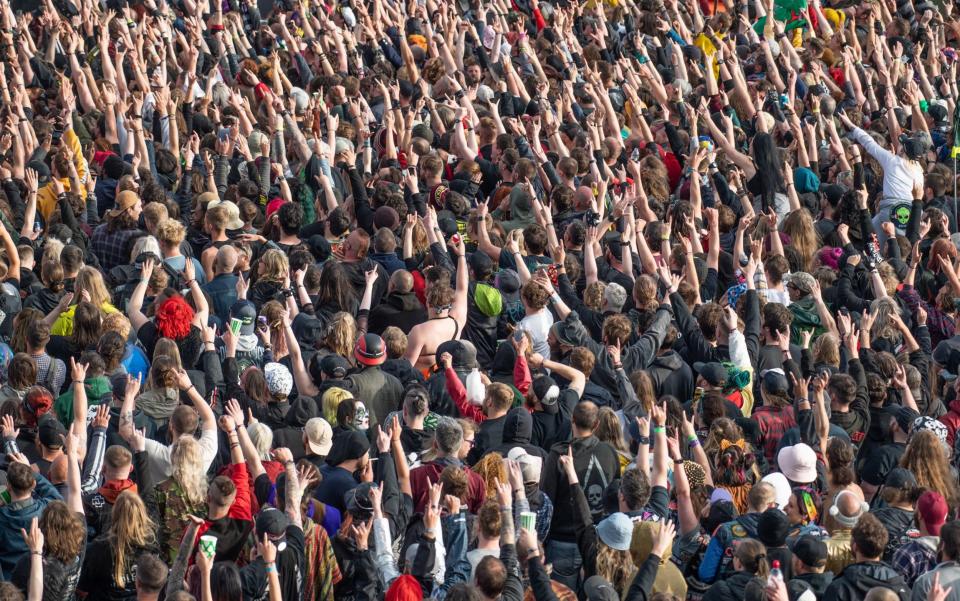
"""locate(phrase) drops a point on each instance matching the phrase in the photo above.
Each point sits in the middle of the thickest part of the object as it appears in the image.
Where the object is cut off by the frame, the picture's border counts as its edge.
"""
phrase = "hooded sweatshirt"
(517, 430)
(400, 309)
(857, 579)
(669, 578)
(596, 464)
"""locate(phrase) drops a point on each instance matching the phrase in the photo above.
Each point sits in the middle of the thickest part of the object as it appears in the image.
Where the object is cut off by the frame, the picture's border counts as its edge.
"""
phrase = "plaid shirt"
(940, 325)
(50, 372)
(774, 423)
(112, 249)
(913, 560)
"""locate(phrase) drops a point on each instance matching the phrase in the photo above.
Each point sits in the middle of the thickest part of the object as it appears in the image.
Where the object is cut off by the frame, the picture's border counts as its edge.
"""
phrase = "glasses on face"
(471, 442)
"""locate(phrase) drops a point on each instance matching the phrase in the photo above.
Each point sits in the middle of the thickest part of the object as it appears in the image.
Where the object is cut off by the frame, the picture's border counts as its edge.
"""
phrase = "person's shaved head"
(226, 260)
(58, 470)
(401, 281)
(881, 593)
(849, 505)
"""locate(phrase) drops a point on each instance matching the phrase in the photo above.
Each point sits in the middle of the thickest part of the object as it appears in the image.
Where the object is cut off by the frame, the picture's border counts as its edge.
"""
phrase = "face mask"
(361, 419)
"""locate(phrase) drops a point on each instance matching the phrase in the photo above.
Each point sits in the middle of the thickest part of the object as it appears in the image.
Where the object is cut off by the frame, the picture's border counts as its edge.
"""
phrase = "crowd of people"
(611, 300)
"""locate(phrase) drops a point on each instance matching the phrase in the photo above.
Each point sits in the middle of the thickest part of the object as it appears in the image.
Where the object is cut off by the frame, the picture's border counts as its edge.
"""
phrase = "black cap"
(811, 551)
(334, 366)
(357, 501)
(900, 477)
(51, 432)
(774, 382)
(480, 263)
(905, 417)
(713, 372)
(246, 312)
(542, 390)
(462, 356)
(596, 588)
(320, 247)
(308, 330)
(354, 445)
(772, 527)
(272, 522)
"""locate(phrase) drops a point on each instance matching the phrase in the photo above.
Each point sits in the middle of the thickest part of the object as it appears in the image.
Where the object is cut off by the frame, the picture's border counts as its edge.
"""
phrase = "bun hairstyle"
(734, 462)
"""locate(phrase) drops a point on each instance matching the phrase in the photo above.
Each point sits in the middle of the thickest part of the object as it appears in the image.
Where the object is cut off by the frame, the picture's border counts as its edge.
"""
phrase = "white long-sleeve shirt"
(899, 174)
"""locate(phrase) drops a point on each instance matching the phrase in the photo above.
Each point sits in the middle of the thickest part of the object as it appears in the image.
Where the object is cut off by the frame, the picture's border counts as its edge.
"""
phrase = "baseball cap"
(319, 436)
(932, 508)
(530, 465)
(905, 417)
(334, 366)
(272, 522)
(713, 372)
(775, 382)
(51, 432)
(811, 551)
(596, 588)
(900, 477)
(547, 392)
(246, 312)
(354, 445)
(357, 500)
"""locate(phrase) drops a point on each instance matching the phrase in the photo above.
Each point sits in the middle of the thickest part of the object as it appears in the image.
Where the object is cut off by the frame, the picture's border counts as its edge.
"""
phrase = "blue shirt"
(336, 483)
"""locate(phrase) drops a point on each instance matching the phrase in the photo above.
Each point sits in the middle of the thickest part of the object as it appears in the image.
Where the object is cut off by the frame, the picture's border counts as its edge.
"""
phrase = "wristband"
(694, 443)
(693, 438)
(678, 461)
(271, 567)
(659, 430)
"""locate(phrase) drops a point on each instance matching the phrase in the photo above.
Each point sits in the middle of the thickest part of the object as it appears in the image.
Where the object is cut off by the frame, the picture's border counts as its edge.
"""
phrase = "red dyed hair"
(173, 318)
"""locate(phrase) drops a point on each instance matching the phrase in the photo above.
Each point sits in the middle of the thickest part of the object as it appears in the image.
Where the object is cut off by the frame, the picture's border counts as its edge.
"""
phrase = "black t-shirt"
(96, 577)
(551, 428)
(880, 462)
(291, 569)
(59, 578)
(191, 347)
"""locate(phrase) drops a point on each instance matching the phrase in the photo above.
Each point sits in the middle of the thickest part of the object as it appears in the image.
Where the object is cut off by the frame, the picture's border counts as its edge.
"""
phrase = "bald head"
(226, 260)
(58, 470)
(401, 281)
(849, 505)
(881, 593)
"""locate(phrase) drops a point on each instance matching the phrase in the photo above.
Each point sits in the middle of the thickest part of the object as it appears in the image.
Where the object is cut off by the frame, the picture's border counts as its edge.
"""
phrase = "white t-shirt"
(538, 326)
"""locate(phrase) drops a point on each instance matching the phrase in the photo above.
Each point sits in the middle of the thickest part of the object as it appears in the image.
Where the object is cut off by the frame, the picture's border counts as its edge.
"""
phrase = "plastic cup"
(528, 520)
(235, 325)
(208, 545)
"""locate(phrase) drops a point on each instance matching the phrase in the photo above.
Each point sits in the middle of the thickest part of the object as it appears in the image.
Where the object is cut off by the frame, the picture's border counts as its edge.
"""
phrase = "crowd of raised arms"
(479, 300)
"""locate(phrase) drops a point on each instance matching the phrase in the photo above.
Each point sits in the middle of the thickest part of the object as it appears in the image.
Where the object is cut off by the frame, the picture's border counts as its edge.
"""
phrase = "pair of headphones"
(843, 519)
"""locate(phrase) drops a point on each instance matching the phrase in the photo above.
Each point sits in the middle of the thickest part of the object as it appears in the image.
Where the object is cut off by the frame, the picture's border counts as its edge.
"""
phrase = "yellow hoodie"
(46, 196)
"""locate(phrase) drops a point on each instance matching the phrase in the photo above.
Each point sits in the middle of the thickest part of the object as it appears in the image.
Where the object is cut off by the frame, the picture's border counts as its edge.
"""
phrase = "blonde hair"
(593, 295)
(341, 334)
(168, 347)
(616, 567)
(130, 528)
(262, 438)
(186, 459)
(89, 279)
(610, 430)
(826, 349)
(884, 326)
(927, 458)
(117, 322)
(331, 400)
(170, 233)
(275, 266)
